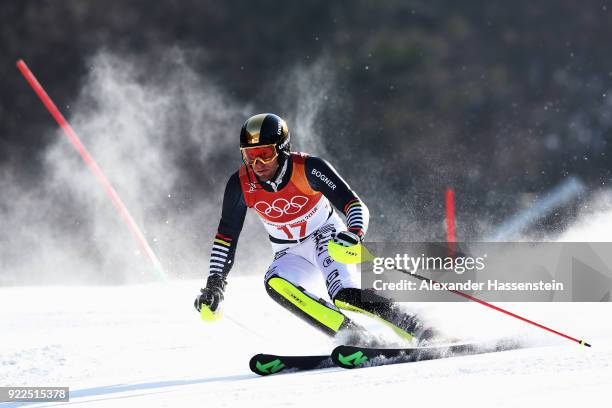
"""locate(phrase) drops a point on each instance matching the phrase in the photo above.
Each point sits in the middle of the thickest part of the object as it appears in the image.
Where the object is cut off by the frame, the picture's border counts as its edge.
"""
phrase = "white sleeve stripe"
(353, 218)
(350, 213)
(354, 208)
(220, 248)
(355, 214)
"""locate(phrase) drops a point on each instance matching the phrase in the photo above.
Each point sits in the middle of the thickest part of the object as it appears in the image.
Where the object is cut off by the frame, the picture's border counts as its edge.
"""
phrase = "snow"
(144, 345)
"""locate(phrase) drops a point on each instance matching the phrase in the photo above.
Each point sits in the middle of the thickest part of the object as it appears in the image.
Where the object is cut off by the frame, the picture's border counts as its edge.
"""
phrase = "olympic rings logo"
(281, 206)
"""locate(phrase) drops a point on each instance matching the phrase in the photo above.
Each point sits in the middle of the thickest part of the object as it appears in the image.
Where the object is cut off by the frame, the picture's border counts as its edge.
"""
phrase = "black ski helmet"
(265, 129)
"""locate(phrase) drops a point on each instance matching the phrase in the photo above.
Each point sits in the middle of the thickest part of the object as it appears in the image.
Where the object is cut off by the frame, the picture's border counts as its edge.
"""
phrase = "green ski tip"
(272, 367)
(352, 360)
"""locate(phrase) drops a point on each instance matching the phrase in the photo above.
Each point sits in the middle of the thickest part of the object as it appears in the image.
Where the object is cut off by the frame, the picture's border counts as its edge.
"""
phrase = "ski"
(266, 364)
(353, 356)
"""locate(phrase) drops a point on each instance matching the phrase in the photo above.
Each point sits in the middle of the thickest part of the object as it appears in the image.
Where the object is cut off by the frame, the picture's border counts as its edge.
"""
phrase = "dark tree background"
(496, 98)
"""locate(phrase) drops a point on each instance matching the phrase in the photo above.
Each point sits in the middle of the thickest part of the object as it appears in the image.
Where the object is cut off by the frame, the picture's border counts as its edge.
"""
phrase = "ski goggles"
(265, 154)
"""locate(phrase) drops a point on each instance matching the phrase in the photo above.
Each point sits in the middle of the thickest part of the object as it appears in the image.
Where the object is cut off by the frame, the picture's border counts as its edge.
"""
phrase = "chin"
(264, 176)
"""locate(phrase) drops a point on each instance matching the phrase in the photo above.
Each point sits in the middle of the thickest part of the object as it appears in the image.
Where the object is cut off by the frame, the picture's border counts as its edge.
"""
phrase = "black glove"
(346, 238)
(212, 294)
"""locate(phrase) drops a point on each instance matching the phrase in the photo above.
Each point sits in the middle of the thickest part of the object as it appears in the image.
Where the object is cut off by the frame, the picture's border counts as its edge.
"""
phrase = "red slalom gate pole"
(499, 309)
(450, 220)
(108, 188)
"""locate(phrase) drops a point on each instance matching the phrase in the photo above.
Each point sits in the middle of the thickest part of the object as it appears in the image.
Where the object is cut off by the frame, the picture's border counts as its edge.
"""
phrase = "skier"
(291, 193)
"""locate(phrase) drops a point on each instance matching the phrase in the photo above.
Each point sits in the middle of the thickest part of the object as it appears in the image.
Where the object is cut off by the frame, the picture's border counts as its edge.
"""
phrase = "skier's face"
(263, 159)
(265, 171)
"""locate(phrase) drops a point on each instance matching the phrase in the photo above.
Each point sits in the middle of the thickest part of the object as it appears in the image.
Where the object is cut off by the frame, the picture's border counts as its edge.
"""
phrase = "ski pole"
(359, 253)
(246, 328)
(499, 309)
(93, 166)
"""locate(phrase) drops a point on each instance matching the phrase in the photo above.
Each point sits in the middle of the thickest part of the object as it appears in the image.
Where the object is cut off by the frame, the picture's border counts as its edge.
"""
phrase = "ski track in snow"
(145, 345)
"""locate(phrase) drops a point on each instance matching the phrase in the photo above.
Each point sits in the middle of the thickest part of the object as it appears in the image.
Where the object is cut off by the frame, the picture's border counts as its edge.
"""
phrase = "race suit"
(298, 216)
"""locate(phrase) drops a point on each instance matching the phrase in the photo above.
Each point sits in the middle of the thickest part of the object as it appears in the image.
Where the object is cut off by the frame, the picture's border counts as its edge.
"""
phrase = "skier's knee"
(314, 311)
(271, 291)
(370, 303)
(362, 300)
